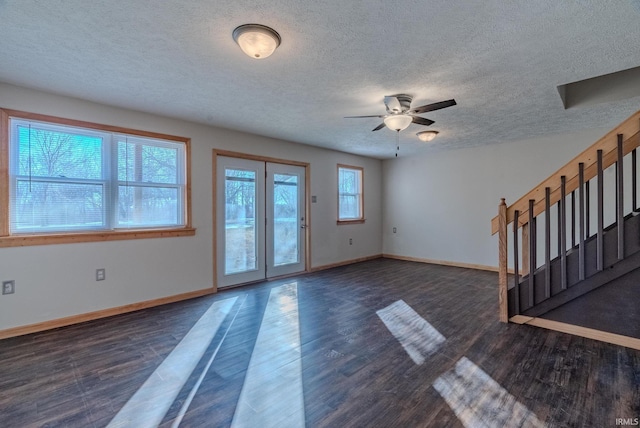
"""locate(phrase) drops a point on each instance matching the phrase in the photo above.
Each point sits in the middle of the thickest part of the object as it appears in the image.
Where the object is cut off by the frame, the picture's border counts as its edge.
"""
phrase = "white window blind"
(67, 179)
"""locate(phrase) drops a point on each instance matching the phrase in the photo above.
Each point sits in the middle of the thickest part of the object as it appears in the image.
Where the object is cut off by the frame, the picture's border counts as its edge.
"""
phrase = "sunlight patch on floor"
(148, 406)
(479, 401)
(419, 338)
(272, 394)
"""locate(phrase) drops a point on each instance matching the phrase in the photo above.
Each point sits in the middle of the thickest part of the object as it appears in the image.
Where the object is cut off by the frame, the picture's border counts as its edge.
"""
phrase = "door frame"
(307, 204)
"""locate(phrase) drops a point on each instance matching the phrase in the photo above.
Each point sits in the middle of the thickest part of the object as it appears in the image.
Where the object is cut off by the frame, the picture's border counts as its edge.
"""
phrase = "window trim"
(361, 219)
(18, 240)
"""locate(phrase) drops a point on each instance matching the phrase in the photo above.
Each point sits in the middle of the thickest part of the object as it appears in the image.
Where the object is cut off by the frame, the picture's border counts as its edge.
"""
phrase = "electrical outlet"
(394, 230)
(8, 287)
(100, 275)
(350, 241)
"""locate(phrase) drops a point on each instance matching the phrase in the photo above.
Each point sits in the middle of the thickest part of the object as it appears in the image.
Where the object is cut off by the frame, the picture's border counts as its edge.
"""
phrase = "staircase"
(575, 244)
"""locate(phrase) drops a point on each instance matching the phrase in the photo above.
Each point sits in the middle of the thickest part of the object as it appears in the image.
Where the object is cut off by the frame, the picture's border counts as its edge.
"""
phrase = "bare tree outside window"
(142, 169)
(60, 179)
(285, 219)
(74, 179)
(240, 225)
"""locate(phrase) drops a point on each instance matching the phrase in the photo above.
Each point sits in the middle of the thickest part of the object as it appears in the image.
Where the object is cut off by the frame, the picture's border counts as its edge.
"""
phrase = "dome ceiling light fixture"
(398, 122)
(427, 136)
(257, 41)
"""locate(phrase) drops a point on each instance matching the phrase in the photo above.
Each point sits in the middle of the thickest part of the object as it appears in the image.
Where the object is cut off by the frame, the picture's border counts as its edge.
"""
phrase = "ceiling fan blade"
(379, 127)
(357, 117)
(422, 121)
(393, 104)
(432, 107)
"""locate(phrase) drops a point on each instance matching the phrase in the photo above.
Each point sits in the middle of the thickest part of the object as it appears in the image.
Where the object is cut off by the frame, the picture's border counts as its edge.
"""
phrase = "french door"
(260, 216)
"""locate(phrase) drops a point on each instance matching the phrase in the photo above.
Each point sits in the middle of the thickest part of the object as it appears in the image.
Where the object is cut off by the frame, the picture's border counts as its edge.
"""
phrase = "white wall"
(442, 203)
(55, 281)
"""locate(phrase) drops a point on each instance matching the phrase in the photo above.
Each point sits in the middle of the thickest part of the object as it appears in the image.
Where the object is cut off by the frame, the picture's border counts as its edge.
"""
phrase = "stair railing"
(568, 191)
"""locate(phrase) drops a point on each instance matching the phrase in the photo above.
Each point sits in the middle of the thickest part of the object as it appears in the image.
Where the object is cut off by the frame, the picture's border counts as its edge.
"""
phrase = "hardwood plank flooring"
(353, 371)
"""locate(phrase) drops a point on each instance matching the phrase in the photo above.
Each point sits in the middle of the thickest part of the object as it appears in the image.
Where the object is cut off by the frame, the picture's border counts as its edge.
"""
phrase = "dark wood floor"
(354, 372)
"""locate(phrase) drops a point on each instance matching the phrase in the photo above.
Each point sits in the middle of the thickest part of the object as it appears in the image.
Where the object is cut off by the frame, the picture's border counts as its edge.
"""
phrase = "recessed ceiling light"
(255, 40)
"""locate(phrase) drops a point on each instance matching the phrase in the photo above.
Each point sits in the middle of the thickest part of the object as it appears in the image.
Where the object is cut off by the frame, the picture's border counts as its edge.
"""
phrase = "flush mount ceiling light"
(398, 122)
(427, 136)
(255, 40)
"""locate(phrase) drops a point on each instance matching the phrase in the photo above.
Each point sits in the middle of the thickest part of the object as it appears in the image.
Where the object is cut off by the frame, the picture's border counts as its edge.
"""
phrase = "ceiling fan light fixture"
(427, 136)
(257, 41)
(398, 122)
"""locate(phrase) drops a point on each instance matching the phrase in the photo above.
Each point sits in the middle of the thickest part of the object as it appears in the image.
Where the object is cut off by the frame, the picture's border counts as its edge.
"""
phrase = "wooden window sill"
(359, 221)
(71, 238)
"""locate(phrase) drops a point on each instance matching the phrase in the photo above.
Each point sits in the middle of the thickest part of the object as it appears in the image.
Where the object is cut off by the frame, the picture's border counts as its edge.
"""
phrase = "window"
(350, 204)
(76, 177)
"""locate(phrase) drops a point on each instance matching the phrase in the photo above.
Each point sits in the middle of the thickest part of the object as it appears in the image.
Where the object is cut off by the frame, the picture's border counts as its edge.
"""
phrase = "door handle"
(303, 226)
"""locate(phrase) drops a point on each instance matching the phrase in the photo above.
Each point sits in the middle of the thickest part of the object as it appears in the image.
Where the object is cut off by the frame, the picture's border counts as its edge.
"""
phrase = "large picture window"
(350, 202)
(76, 177)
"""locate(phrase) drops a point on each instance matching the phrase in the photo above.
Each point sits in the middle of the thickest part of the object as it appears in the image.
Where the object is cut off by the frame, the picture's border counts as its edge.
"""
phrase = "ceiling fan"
(400, 114)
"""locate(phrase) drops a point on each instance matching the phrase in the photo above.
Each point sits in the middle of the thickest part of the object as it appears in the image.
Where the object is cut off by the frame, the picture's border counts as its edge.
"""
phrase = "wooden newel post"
(502, 260)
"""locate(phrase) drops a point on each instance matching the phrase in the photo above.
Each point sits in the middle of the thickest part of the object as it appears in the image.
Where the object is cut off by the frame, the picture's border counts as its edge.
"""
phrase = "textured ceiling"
(501, 61)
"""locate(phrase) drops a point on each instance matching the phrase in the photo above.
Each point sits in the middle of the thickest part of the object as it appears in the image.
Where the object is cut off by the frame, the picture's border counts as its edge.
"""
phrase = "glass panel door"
(260, 220)
(286, 224)
(240, 220)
